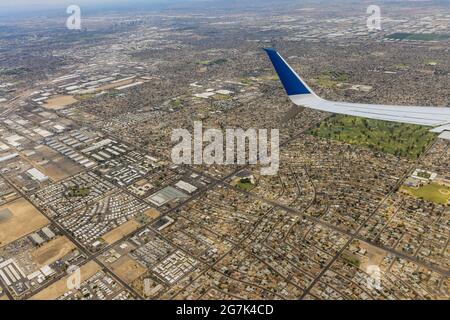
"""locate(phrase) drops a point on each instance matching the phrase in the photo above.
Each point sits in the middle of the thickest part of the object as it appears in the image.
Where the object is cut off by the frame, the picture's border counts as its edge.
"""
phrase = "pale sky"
(35, 5)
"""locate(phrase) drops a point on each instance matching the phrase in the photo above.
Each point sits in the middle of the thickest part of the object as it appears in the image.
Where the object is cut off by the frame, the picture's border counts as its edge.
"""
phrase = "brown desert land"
(52, 251)
(128, 269)
(59, 102)
(58, 288)
(23, 218)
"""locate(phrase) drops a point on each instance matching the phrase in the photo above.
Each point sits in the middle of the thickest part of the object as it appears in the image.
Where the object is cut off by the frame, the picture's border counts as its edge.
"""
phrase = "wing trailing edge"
(302, 95)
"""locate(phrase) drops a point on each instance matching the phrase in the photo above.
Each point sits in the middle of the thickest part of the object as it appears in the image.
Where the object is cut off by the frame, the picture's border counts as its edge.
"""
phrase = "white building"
(36, 175)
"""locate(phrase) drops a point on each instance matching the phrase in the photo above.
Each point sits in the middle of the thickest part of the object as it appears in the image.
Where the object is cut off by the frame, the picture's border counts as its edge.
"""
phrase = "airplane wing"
(302, 95)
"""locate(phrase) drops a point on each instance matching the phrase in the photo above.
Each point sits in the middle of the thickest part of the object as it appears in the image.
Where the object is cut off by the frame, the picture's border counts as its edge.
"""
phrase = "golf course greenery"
(402, 140)
(418, 36)
(245, 184)
(77, 191)
(432, 192)
(331, 78)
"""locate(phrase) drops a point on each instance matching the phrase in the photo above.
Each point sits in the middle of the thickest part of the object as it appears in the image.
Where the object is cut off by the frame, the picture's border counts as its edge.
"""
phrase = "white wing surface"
(301, 95)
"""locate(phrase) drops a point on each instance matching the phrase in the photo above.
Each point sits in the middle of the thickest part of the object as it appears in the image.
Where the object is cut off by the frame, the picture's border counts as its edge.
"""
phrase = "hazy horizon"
(26, 7)
(11, 9)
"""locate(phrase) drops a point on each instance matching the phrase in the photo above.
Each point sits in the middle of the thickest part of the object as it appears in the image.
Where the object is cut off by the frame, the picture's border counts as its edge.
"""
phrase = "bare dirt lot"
(42, 153)
(53, 165)
(115, 85)
(127, 269)
(153, 213)
(59, 102)
(60, 168)
(52, 251)
(374, 256)
(58, 288)
(120, 232)
(24, 219)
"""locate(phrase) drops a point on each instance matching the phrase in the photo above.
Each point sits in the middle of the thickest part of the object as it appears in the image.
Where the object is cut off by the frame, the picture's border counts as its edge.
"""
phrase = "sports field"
(246, 186)
(432, 192)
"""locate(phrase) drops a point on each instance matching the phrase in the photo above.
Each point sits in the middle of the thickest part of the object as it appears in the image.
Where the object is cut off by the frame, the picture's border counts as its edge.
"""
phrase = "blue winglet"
(290, 80)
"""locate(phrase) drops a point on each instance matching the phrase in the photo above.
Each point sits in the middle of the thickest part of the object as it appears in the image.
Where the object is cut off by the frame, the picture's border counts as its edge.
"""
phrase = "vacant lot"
(152, 213)
(52, 251)
(373, 257)
(24, 219)
(120, 232)
(59, 102)
(115, 85)
(53, 165)
(58, 288)
(402, 140)
(127, 269)
(60, 168)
